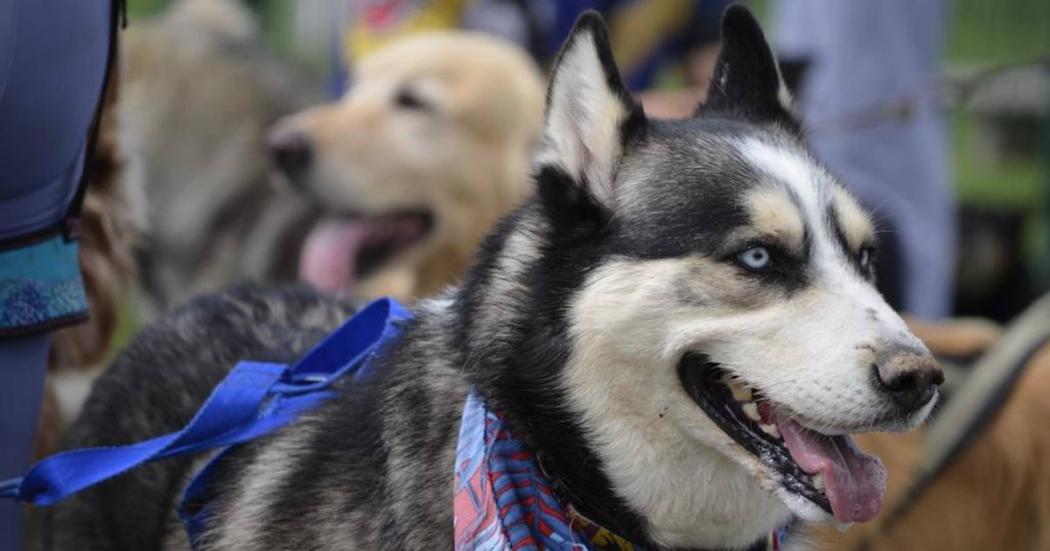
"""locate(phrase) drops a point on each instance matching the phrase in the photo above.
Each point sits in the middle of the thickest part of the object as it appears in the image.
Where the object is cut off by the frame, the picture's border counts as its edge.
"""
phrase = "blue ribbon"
(254, 399)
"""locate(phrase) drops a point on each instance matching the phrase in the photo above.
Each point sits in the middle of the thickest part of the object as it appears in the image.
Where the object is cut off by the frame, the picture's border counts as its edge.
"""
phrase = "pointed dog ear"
(590, 114)
(746, 80)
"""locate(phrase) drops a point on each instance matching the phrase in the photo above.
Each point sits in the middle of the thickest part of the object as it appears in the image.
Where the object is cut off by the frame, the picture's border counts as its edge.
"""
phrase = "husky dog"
(681, 323)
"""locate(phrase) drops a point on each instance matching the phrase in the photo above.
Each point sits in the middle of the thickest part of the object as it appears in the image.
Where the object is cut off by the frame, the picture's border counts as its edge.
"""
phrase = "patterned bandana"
(502, 501)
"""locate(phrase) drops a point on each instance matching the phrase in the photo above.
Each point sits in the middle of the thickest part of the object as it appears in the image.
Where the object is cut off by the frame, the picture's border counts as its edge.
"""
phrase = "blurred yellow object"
(380, 22)
(641, 28)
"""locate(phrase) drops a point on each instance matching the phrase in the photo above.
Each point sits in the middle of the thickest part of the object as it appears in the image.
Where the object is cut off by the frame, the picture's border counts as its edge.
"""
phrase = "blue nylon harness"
(255, 399)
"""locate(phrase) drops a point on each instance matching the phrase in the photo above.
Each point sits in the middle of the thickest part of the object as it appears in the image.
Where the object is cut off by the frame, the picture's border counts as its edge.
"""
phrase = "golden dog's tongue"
(330, 253)
(855, 481)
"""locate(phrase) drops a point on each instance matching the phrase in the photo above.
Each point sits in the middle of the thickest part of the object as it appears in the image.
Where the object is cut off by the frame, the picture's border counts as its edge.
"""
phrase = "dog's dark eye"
(755, 258)
(865, 257)
(405, 99)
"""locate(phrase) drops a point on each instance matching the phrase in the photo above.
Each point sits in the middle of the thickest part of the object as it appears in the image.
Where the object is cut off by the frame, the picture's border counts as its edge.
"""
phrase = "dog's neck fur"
(510, 349)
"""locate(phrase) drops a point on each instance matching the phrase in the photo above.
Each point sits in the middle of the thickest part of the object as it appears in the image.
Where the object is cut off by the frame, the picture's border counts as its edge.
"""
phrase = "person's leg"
(22, 364)
(873, 118)
(53, 58)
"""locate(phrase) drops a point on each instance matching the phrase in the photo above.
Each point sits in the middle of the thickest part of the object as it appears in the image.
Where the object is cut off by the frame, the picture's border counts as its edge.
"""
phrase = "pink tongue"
(329, 254)
(854, 481)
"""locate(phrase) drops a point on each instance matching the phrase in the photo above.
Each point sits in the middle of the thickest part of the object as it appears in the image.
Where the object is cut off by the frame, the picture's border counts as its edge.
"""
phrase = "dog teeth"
(818, 481)
(751, 410)
(771, 430)
(740, 392)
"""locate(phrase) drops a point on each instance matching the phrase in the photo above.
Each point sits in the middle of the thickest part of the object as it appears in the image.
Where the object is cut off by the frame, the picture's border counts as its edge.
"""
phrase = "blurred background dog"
(414, 164)
(198, 91)
(409, 169)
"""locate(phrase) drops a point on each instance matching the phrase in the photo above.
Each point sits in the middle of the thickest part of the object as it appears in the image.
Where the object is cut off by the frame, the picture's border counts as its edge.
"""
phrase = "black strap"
(70, 224)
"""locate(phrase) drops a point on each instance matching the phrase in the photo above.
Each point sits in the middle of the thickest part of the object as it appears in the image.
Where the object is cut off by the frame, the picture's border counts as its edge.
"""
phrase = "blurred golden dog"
(430, 146)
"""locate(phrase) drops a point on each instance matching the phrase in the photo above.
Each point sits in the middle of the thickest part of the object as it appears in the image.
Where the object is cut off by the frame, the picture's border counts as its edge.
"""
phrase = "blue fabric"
(867, 58)
(359, 340)
(253, 400)
(40, 285)
(52, 66)
(23, 361)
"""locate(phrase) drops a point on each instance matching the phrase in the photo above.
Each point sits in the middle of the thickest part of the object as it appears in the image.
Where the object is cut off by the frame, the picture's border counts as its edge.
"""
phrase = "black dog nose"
(910, 378)
(292, 151)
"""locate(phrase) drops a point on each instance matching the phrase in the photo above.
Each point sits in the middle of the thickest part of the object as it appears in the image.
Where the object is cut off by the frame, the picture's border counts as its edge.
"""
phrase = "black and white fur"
(573, 323)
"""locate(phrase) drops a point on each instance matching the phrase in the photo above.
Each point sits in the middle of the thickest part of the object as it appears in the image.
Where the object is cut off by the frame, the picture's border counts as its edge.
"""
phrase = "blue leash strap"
(232, 403)
(254, 399)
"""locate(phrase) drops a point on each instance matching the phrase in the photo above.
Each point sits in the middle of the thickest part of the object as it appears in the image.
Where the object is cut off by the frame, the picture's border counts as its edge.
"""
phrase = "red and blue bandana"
(502, 501)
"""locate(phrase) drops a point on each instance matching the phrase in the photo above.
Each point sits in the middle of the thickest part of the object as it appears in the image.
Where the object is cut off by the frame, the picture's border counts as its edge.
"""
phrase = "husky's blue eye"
(755, 258)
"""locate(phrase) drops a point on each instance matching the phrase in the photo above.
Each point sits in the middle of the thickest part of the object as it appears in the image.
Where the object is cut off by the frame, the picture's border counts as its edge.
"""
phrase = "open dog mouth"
(829, 471)
(344, 249)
